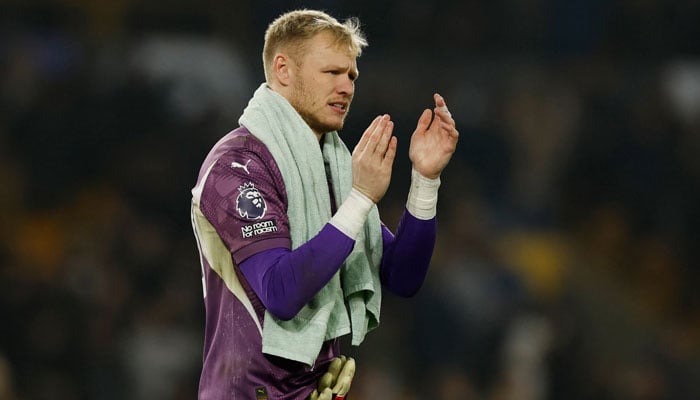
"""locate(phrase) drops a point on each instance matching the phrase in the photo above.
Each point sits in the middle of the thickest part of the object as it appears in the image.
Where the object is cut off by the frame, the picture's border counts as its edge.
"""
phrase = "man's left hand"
(432, 144)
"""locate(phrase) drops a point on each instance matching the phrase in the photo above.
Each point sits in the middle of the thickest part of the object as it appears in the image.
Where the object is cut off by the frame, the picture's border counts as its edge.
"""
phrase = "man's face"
(324, 84)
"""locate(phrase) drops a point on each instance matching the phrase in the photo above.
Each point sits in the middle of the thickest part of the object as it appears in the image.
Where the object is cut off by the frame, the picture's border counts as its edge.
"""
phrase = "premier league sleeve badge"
(250, 203)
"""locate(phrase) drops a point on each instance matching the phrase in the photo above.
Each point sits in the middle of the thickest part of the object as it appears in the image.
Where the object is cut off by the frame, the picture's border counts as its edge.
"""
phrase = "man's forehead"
(326, 42)
(332, 53)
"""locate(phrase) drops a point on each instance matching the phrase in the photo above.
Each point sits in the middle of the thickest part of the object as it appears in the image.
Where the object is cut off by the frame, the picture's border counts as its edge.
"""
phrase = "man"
(293, 252)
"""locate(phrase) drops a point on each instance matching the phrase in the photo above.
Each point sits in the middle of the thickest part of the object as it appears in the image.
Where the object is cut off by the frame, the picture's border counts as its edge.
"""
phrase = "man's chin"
(338, 125)
(325, 128)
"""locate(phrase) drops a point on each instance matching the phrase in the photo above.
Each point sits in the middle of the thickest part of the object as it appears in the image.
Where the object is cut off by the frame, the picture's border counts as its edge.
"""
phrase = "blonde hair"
(292, 29)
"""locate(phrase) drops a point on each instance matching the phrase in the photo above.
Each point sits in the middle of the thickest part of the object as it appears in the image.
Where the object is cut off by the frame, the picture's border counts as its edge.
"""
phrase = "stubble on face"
(310, 108)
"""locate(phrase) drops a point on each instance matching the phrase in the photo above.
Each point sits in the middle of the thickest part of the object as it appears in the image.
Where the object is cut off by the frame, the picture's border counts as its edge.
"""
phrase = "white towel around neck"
(351, 301)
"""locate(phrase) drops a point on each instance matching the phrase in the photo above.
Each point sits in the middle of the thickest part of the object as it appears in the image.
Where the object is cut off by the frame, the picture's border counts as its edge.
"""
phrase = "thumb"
(424, 121)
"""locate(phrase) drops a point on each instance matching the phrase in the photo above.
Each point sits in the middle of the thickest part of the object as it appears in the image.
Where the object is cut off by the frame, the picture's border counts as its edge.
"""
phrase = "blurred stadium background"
(568, 262)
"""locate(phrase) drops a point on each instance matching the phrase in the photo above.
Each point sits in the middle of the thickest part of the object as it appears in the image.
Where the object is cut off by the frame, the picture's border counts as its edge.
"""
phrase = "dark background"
(567, 264)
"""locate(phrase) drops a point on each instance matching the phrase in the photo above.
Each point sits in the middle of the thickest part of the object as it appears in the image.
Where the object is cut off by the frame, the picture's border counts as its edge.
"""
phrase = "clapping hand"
(434, 140)
(373, 159)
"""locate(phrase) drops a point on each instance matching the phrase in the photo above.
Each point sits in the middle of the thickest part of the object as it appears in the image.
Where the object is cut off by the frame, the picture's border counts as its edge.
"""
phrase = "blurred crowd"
(567, 264)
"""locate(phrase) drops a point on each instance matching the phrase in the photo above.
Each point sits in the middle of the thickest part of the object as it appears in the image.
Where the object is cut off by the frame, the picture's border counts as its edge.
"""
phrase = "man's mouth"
(339, 106)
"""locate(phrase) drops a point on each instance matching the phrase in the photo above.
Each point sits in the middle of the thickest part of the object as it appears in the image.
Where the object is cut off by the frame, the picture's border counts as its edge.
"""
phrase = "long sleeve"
(407, 255)
(285, 280)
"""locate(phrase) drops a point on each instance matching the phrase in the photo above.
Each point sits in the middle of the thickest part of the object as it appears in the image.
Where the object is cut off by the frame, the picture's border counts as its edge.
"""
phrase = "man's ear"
(281, 68)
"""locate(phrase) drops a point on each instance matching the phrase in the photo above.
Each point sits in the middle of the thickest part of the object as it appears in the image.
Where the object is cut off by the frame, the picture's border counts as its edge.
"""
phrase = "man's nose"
(346, 85)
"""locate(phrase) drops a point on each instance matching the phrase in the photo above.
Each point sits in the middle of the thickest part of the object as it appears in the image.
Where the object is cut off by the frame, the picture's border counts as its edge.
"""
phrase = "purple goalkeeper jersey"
(239, 209)
(238, 212)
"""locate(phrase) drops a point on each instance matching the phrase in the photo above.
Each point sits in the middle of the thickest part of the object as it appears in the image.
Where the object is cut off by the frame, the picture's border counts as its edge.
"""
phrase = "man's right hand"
(373, 159)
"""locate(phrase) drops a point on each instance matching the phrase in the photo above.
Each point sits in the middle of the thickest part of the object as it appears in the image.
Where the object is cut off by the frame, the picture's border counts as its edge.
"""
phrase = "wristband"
(422, 196)
(351, 215)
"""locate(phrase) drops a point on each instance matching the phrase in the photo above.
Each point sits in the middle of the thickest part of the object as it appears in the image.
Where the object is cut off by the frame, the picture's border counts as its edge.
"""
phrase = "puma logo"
(241, 166)
(261, 393)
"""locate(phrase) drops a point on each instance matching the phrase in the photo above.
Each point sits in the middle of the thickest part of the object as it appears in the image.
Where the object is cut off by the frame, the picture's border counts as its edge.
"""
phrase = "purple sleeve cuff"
(260, 246)
(285, 280)
(407, 256)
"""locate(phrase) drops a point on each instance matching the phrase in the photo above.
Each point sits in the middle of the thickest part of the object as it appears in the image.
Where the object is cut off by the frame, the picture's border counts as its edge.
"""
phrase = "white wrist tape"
(351, 215)
(422, 196)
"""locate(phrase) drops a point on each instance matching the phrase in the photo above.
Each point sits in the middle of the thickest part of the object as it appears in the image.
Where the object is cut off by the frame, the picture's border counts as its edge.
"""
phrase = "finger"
(362, 144)
(327, 380)
(439, 100)
(326, 394)
(450, 129)
(424, 121)
(342, 386)
(375, 140)
(314, 395)
(444, 114)
(335, 367)
(390, 154)
(385, 138)
(441, 104)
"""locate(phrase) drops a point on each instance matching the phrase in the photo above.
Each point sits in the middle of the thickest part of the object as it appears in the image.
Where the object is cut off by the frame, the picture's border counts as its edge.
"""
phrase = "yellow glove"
(336, 381)
(325, 395)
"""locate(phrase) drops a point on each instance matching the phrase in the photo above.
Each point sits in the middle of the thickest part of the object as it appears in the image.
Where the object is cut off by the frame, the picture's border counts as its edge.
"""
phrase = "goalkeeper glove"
(335, 384)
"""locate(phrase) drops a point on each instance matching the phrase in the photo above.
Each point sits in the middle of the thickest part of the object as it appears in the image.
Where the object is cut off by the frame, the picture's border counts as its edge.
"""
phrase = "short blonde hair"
(294, 28)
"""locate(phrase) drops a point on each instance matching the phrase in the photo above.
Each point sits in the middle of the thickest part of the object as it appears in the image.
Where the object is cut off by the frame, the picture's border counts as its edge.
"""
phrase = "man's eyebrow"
(351, 69)
(334, 66)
